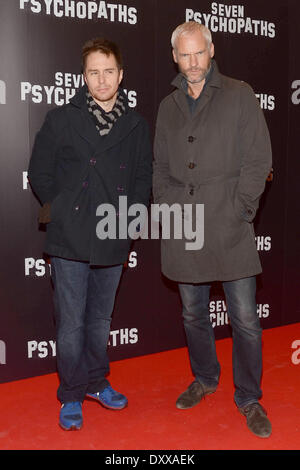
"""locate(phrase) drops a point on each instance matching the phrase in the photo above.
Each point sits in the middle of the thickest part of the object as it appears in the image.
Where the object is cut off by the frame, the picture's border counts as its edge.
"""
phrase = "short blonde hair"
(188, 28)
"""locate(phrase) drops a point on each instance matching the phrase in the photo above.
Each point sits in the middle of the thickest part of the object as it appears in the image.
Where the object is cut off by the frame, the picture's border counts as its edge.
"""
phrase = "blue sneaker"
(109, 398)
(70, 416)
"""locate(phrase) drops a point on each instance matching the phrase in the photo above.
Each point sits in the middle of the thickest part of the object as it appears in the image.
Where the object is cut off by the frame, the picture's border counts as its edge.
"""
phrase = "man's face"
(193, 56)
(102, 77)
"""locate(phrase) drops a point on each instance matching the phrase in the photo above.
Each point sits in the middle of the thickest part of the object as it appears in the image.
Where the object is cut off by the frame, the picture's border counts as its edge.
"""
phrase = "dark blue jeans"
(246, 333)
(84, 298)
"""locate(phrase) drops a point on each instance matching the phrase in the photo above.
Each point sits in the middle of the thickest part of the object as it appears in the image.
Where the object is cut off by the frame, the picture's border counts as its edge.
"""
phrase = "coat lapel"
(182, 103)
(121, 128)
(83, 125)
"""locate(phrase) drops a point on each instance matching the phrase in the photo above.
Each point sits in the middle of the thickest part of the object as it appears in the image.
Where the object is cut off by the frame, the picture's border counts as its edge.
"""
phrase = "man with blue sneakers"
(88, 152)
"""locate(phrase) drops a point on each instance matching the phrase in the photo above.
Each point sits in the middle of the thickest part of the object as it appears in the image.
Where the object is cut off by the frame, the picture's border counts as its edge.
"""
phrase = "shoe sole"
(74, 427)
(261, 436)
(105, 405)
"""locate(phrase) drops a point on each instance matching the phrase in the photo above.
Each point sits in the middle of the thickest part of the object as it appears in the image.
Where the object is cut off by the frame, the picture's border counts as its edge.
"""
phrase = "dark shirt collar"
(192, 102)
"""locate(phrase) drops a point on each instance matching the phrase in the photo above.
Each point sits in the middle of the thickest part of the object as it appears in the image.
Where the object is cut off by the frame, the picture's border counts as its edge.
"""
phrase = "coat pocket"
(235, 204)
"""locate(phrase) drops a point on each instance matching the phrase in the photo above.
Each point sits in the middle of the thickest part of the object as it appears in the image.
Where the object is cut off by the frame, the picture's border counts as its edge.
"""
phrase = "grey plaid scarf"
(104, 121)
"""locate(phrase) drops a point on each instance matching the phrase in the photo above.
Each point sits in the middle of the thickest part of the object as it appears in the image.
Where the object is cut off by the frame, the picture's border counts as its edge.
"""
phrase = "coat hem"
(61, 253)
(212, 277)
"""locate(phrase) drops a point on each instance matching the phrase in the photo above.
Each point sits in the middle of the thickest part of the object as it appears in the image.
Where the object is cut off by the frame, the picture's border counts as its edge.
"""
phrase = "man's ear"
(121, 76)
(174, 55)
(212, 50)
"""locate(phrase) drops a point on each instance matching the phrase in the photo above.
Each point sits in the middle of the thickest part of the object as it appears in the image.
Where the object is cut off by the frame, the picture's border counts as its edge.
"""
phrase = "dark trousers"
(84, 298)
(246, 332)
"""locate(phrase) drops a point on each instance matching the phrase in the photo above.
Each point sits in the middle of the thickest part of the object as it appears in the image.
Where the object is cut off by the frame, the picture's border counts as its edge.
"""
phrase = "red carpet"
(29, 409)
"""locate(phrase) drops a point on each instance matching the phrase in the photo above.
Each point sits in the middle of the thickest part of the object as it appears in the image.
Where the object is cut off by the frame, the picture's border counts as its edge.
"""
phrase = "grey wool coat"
(219, 156)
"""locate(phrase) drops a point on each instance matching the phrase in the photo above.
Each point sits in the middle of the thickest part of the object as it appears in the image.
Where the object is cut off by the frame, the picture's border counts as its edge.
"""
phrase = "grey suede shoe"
(257, 420)
(193, 395)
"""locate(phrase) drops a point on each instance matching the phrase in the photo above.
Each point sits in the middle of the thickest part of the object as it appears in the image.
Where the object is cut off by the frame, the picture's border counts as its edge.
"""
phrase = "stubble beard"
(200, 78)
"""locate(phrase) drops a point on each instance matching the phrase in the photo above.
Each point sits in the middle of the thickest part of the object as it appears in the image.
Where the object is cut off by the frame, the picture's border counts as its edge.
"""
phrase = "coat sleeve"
(256, 155)
(161, 161)
(42, 163)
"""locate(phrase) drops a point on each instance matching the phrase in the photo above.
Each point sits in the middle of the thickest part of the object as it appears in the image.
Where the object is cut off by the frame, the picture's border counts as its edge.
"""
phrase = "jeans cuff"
(246, 403)
(98, 386)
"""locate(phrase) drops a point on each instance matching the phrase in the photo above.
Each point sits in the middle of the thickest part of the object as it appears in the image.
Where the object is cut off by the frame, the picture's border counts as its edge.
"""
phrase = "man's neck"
(107, 106)
(195, 89)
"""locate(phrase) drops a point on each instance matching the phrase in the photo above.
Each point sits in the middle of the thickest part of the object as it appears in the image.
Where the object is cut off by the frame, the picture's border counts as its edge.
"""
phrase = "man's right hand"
(44, 214)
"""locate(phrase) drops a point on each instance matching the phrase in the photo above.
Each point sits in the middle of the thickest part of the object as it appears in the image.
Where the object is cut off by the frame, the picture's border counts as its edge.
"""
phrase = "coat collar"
(214, 79)
(212, 84)
(79, 99)
(80, 119)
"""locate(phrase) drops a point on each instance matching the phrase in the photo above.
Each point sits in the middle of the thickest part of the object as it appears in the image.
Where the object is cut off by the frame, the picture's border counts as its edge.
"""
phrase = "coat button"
(191, 191)
(76, 208)
(93, 161)
(85, 184)
(191, 138)
(192, 165)
(120, 188)
(122, 166)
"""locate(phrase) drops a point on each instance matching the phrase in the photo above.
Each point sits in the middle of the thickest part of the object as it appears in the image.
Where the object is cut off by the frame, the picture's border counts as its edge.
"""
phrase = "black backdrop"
(40, 45)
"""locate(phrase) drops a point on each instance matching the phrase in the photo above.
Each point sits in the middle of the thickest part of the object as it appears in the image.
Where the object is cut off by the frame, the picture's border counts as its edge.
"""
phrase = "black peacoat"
(75, 170)
(219, 156)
